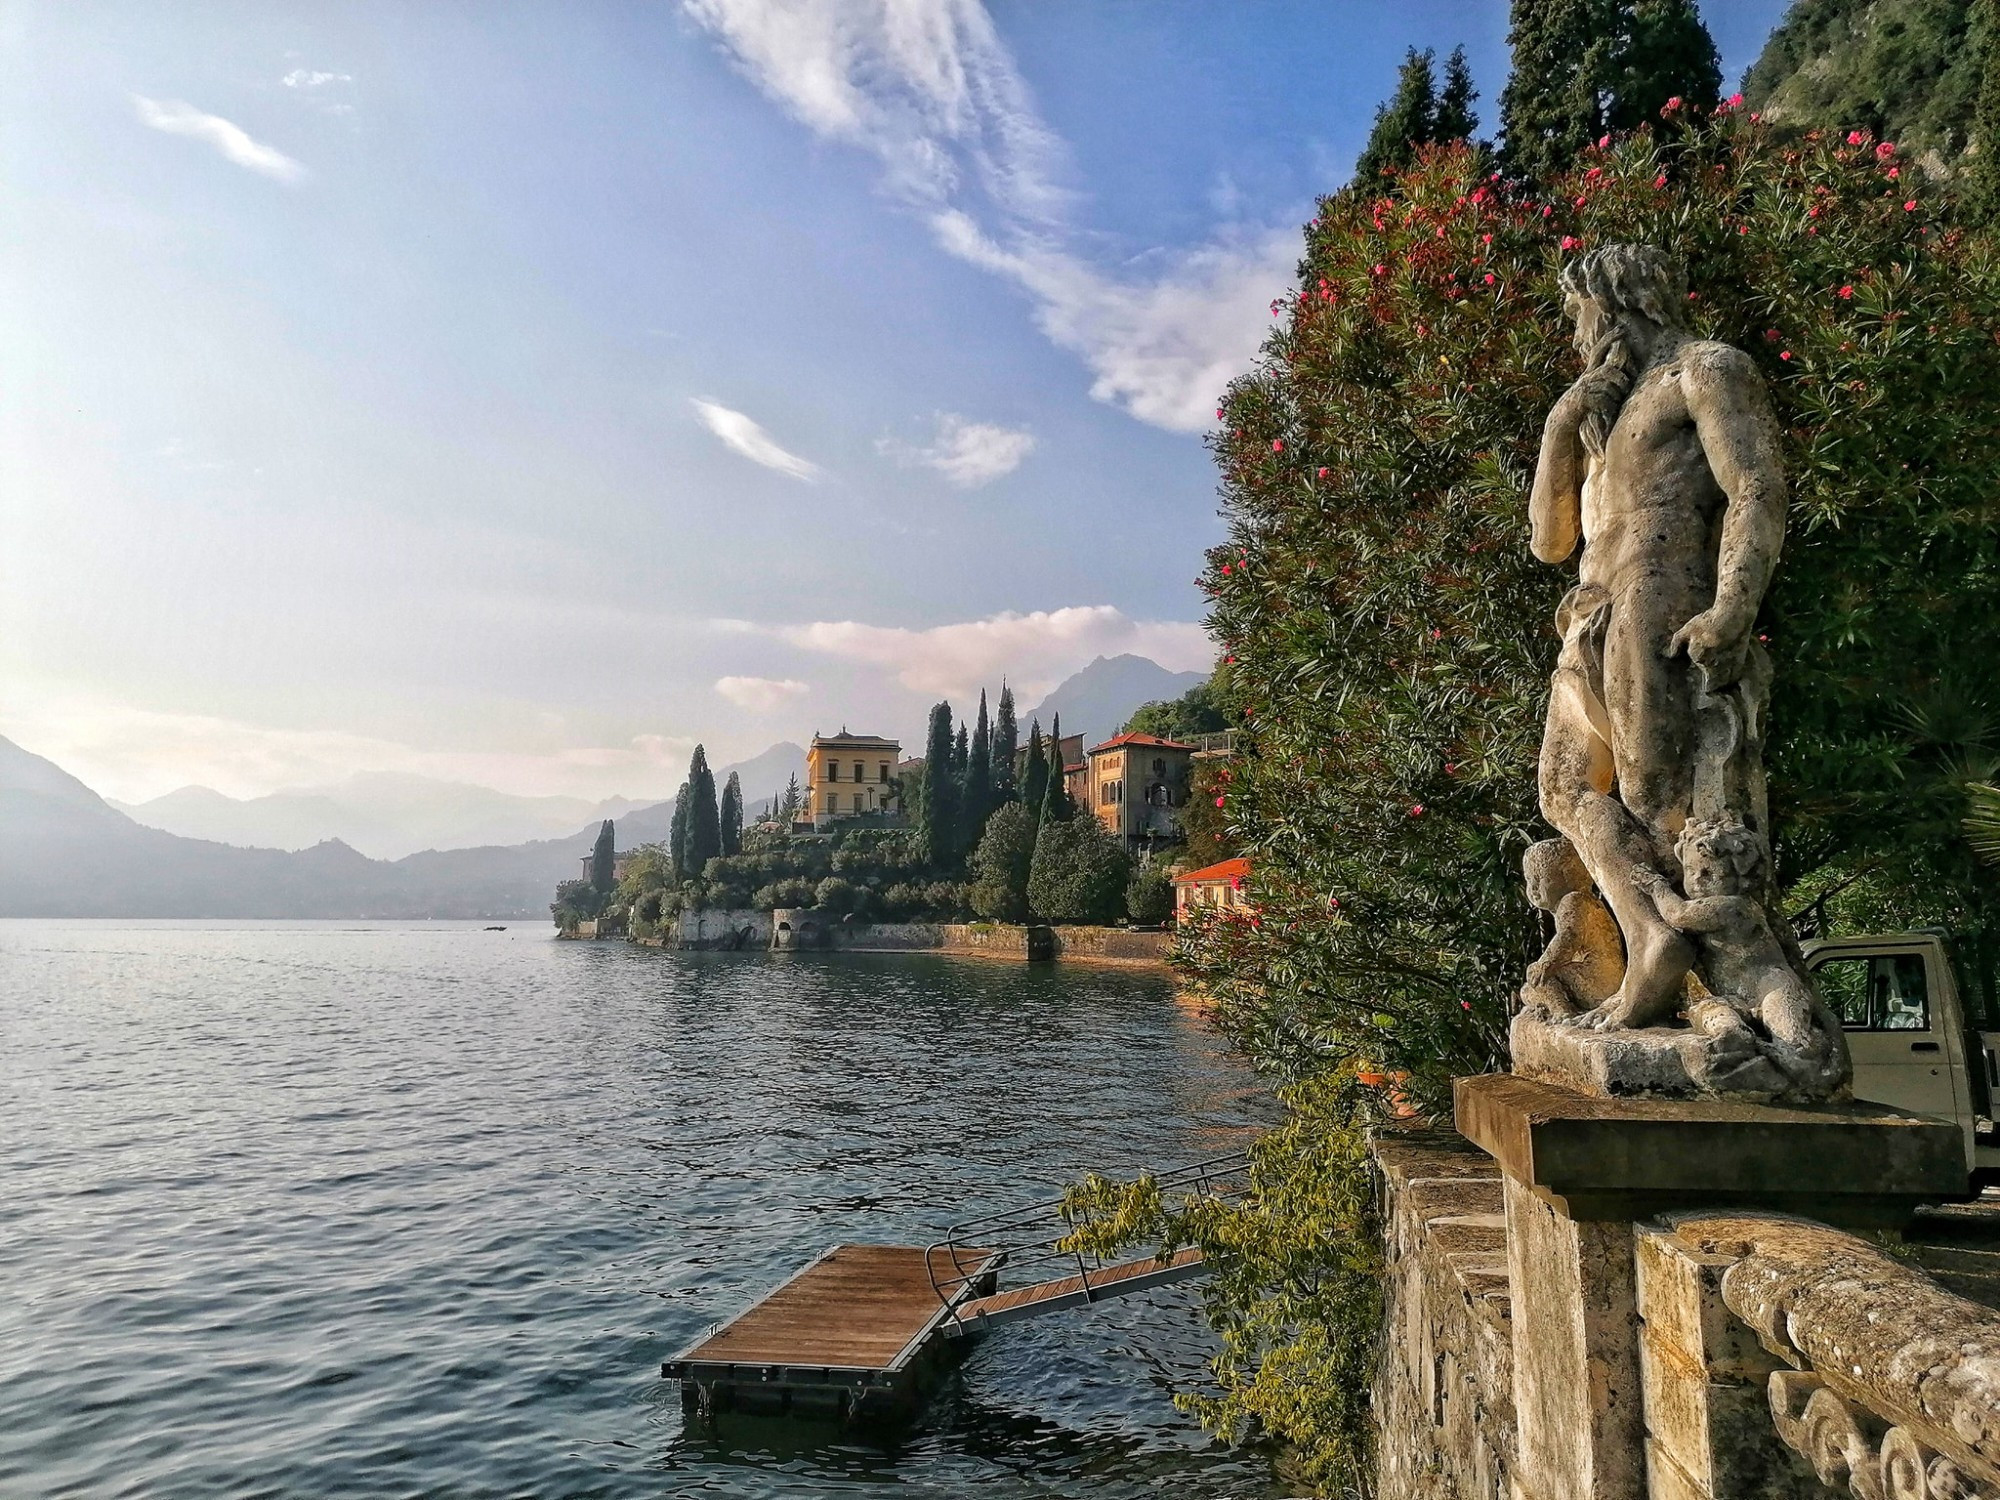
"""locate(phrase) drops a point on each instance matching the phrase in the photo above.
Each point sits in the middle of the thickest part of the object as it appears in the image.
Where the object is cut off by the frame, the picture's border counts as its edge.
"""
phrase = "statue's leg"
(1578, 771)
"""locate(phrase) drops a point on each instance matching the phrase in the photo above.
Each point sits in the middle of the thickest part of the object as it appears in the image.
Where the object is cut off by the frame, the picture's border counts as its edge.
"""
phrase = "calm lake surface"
(415, 1209)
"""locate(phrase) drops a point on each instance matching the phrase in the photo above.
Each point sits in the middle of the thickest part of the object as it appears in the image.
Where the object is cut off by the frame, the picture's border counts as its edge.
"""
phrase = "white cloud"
(928, 87)
(1033, 651)
(744, 436)
(306, 78)
(759, 695)
(968, 454)
(230, 140)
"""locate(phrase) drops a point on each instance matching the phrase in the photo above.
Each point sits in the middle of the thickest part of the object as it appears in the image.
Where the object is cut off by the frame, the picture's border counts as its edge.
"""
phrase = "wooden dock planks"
(1111, 1281)
(858, 1307)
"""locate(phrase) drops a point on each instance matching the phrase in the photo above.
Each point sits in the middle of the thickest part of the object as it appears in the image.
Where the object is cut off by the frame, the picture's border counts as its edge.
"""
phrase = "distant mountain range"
(1097, 701)
(66, 852)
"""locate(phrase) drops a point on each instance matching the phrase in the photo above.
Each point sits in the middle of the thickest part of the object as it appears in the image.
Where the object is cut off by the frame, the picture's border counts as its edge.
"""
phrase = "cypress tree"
(1406, 122)
(1035, 775)
(961, 753)
(704, 830)
(1982, 189)
(976, 791)
(732, 815)
(1056, 806)
(604, 861)
(1455, 120)
(1665, 53)
(1006, 742)
(940, 820)
(677, 839)
(793, 798)
(1555, 100)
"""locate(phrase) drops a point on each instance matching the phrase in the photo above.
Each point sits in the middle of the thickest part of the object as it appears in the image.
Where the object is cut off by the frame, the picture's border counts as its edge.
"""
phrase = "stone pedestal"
(1579, 1170)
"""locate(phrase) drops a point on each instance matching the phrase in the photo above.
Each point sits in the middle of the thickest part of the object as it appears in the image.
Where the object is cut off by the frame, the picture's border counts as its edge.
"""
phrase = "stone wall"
(1443, 1392)
(998, 940)
(792, 930)
(1119, 944)
(741, 930)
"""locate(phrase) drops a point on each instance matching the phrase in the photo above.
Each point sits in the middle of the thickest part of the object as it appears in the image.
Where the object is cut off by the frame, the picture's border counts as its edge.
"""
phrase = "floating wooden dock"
(865, 1332)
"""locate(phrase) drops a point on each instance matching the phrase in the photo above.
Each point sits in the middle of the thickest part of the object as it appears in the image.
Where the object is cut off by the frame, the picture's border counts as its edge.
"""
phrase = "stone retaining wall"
(741, 930)
(1119, 944)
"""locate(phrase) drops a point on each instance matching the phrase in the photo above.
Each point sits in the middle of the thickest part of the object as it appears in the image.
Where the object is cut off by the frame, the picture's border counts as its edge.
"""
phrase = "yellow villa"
(851, 776)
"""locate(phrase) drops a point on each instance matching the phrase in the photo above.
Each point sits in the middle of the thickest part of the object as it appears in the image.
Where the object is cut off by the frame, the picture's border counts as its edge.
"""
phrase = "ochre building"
(851, 776)
(1136, 785)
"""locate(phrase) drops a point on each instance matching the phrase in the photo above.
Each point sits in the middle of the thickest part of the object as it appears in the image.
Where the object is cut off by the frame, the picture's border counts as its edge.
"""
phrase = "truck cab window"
(1886, 992)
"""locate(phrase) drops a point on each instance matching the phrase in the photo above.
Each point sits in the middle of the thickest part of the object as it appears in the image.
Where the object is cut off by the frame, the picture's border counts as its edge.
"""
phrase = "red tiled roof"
(1152, 740)
(1229, 869)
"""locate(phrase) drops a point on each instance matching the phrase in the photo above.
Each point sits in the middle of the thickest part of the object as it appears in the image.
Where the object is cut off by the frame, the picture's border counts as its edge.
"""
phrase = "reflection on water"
(414, 1208)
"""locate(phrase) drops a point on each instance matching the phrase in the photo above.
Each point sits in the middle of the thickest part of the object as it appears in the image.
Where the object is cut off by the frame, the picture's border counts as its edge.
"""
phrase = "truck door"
(1903, 1053)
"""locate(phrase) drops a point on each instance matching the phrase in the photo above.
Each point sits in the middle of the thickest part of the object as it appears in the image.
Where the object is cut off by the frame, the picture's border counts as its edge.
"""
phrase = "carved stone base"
(1677, 1062)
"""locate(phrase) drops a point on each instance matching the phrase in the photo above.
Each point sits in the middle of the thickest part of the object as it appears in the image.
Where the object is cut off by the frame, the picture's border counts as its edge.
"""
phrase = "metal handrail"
(1030, 1234)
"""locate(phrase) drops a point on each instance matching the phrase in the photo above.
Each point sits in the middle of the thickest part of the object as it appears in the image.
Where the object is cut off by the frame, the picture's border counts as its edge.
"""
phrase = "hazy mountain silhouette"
(1097, 701)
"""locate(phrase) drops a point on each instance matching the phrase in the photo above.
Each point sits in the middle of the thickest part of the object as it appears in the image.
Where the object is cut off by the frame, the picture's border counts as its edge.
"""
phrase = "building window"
(857, 802)
(833, 770)
(828, 803)
(885, 773)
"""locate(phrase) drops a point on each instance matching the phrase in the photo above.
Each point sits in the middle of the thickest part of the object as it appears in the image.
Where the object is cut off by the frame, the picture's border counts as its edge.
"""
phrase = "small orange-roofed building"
(1220, 885)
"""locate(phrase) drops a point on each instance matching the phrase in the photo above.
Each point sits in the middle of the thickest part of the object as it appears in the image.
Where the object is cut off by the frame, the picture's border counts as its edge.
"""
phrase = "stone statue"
(1662, 459)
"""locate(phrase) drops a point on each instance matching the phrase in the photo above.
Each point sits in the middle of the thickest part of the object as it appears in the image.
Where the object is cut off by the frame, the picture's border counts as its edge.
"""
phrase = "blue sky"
(521, 393)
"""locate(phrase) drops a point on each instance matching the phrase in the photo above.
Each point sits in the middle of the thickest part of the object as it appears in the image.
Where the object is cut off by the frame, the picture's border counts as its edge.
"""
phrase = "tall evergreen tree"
(1056, 805)
(1982, 189)
(1586, 67)
(1035, 774)
(976, 790)
(940, 816)
(732, 815)
(794, 798)
(961, 752)
(677, 839)
(1455, 119)
(1404, 123)
(1665, 53)
(604, 861)
(704, 831)
(1006, 744)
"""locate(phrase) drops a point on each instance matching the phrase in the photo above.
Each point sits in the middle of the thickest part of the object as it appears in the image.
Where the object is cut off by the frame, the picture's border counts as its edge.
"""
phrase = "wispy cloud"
(968, 454)
(1034, 651)
(929, 88)
(759, 695)
(229, 140)
(742, 435)
(308, 78)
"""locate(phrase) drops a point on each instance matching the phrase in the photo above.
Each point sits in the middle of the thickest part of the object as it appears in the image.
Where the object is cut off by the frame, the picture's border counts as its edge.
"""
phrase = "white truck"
(1920, 1039)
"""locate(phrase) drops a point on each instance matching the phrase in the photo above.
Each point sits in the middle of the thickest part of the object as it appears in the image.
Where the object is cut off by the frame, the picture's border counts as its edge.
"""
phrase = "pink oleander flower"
(1910, 207)
(1491, 278)
(1322, 474)
(1854, 137)
(1847, 293)
(1894, 173)
(1570, 242)
(1277, 445)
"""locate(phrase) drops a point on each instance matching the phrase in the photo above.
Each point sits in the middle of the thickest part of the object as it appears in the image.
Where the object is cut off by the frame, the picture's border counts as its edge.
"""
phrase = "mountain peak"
(1096, 701)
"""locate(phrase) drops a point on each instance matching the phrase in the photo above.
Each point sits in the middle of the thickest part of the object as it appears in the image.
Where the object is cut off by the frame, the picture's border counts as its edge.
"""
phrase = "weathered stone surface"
(1443, 1394)
(1662, 461)
(1886, 1341)
(1599, 1158)
(1577, 1385)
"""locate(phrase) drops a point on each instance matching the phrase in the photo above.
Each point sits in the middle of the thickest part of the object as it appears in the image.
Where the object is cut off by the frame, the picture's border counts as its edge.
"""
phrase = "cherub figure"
(1584, 962)
(1743, 961)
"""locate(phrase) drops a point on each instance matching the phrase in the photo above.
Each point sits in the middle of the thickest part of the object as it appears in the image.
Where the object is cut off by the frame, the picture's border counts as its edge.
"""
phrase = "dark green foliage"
(1001, 864)
(834, 894)
(704, 826)
(1390, 631)
(1197, 711)
(976, 788)
(1078, 873)
(1455, 119)
(1149, 894)
(677, 848)
(576, 901)
(1006, 744)
(1056, 806)
(961, 753)
(940, 807)
(794, 799)
(731, 815)
(1035, 776)
(1585, 67)
(1981, 194)
(1407, 121)
(1909, 71)
(603, 861)
(1205, 819)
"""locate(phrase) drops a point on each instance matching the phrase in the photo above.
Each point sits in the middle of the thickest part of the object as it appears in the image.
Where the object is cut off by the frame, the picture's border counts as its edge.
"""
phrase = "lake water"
(416, 1209)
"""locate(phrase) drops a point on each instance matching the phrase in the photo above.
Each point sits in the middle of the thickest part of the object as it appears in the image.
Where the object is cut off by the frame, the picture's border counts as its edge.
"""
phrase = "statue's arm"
(1555, 507)
(1739, 435)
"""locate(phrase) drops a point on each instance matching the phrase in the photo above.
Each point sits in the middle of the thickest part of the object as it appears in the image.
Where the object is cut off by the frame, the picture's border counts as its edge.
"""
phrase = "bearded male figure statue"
(1662, 459)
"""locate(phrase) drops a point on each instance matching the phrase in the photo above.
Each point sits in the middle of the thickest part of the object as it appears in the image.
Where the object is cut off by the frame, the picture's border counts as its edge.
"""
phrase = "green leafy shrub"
(834, 894)
(1001, 863)
(1149, 894)
(1079, 872)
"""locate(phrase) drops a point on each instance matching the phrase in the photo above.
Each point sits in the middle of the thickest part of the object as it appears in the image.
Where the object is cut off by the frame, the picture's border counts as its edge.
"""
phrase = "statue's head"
(1607, 287)
(1719, 858)
(1553, 871)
